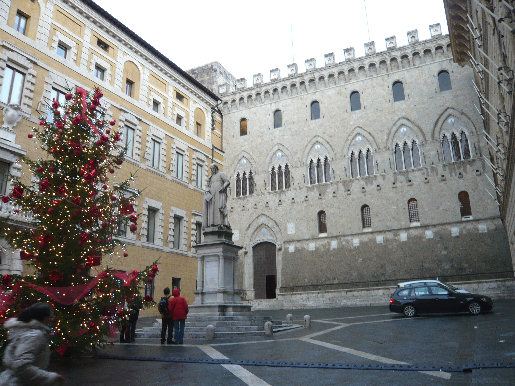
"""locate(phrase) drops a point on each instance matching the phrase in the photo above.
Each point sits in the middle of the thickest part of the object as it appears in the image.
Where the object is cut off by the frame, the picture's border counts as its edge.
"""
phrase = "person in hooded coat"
(178, 307)
(27, 354)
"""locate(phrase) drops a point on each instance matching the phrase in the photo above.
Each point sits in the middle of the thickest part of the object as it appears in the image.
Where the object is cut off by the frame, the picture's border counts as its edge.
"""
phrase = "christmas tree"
(76, 214)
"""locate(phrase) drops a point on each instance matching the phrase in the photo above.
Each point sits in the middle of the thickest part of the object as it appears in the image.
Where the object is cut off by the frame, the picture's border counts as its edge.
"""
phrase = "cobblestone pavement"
(368, 336)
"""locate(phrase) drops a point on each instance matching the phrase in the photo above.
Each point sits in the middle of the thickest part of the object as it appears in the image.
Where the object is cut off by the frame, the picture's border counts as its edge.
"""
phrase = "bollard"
(210, 332)
(289, 319)
(269, 330)
(307, 321)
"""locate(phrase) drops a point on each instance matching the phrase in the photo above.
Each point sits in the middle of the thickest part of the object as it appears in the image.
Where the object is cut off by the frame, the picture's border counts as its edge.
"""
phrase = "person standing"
(166, 320)
(134, 308)
(179, 312)
(27, 354)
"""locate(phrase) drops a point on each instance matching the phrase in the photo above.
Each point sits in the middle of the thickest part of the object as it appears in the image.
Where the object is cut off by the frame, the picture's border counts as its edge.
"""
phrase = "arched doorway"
(265, 271)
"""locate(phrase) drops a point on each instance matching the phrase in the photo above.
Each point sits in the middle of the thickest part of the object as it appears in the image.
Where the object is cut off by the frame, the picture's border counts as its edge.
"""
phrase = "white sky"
(251, 37)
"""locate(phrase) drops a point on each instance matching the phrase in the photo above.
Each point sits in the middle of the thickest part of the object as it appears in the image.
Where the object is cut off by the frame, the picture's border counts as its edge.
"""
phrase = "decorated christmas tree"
(76, 214)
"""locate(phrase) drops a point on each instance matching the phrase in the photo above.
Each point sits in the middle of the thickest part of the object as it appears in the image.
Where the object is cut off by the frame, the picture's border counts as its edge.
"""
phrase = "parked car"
(416, 282)
(436, 297)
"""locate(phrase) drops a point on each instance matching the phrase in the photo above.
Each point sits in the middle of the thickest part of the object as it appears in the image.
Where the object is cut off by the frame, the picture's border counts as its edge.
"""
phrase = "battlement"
(412, 52)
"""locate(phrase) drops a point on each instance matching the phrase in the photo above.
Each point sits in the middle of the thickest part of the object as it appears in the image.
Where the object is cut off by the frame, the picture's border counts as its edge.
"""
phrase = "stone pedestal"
(217, 284)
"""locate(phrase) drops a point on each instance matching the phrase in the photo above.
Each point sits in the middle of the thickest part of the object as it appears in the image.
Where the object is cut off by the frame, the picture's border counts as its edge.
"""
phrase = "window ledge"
(467, 218)
(322, 235)
(414, 224)
(367, 229)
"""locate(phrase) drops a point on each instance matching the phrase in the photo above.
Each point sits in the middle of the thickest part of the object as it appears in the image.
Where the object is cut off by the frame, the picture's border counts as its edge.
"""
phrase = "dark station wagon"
(436, 297)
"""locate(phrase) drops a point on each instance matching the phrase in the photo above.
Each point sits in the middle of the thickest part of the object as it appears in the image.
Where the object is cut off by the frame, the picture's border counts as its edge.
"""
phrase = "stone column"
(221, 270)
(200, 274)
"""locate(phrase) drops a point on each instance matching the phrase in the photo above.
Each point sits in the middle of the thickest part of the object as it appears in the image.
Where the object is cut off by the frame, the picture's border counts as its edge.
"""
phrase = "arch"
(278, 119)
(285, 155)
(264, 262)
(243, 127)
(315, 110)
(465, 209)
(311, 149)
(200, 123)
(444, 117)
(355, 101)
(398, 91)
(366, 218)
(245, 162)
(254, 235)
(131, 73)
(413, 211)
(351, 141)
(444, 81)
(412, 132)
(322, 221)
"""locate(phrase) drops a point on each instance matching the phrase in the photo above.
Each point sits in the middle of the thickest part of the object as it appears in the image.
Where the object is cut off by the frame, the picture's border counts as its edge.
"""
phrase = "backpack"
(163, 306)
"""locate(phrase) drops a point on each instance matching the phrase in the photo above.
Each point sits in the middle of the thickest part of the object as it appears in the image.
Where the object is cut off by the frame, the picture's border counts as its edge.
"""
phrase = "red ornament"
(83, 237)
(25, 255)
(133, 228)
(61, 190)
(29, 135)
(50, 210)
(133, 218)
(111, 171)
(55, 104)
(104, 187)
(93, 260)
(108, 131)
(5, 199)
(125, 254)
(148, 298)
(127, 209)
(55, 276)
(68, 96)
(104, 225)
(44, 185)
(7, 280)
(52, 169)
(17, 191)
(42, 123)
(112, 123)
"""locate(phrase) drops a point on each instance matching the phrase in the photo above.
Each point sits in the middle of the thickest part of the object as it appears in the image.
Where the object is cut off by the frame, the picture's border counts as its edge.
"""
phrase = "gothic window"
(446, 149)
(273, 180)
(398, 91)
(370, 163)
(280, 178)
(366, 219)
(455, 146)
(465, 209)
(278, 119)
(320, 176)
(322, 222)
(361, 164)
(327, 170)
(353, 166)
(244, 184)
(286, 177)
(238, 185)
(312, 179)
(399, 165)
(415, 154)
(243, 126)
(406, 153)
(355, 102)
(251, 183)
(444, 81)
(465, 149)
(413, 211)
(315, 110)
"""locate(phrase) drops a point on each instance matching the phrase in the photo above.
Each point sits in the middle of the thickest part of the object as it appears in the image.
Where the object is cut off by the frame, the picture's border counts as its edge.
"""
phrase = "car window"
(404, 292)
(436, 290)
(421, 291)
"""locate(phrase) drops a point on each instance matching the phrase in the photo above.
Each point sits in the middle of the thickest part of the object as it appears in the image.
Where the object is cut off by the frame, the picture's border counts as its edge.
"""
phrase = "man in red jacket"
(178, 307)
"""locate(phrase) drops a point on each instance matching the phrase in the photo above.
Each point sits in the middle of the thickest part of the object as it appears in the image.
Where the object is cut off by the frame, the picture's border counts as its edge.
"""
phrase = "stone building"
(359, 174)
(166, 117)
(482, 37)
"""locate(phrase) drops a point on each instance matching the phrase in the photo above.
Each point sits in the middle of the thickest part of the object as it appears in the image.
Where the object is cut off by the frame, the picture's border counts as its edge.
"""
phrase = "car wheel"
(409, 311)
(474, 308)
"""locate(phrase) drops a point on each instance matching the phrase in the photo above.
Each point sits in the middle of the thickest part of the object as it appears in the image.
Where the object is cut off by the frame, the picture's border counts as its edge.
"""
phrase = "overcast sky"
(251, 37)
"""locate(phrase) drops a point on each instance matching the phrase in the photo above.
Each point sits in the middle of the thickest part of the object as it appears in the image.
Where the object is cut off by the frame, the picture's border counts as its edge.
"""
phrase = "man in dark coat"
(178, 307)
(166, 321)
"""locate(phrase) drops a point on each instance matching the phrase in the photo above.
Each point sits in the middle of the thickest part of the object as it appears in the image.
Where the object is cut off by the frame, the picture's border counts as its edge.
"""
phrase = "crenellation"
(293, 69)
(311, 64)
(241, 83)
(275, 74)
(258, 79)
(435, 29)
(349, 53)
(329, 59)
(412, 36)
(370, 48)
(391, 42)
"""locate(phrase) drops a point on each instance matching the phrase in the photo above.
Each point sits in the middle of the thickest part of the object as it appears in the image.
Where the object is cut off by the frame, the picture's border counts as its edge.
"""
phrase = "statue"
(215, 199)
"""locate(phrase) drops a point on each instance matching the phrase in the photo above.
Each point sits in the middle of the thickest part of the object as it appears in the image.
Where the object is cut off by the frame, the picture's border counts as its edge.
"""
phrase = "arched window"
(465, 149)
(465, 209)
(398, 91)
(251, 183)
(455, 146)
(286, 177)
(366, 218)
(273, 180)
(370, 163)
(413, 210)
(322, 222)
(415, 154)
(278, 119)
(315, 110)
(444, 81)
(244, 184)
(280, 178)
(238, 185)
(320, 172)
(361, 164)
(446, 149)
(406, 153)
(355, 102)
(243, 126)
(312, 179)
(327, 170)
(353, 166)
(399, 165)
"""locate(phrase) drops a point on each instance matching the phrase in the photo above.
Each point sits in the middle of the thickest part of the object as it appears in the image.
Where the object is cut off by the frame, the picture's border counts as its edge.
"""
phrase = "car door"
(423, 299)
(445, 300)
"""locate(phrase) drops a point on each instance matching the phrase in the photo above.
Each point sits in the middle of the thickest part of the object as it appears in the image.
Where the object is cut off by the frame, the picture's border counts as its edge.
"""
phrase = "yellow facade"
(73, 43)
